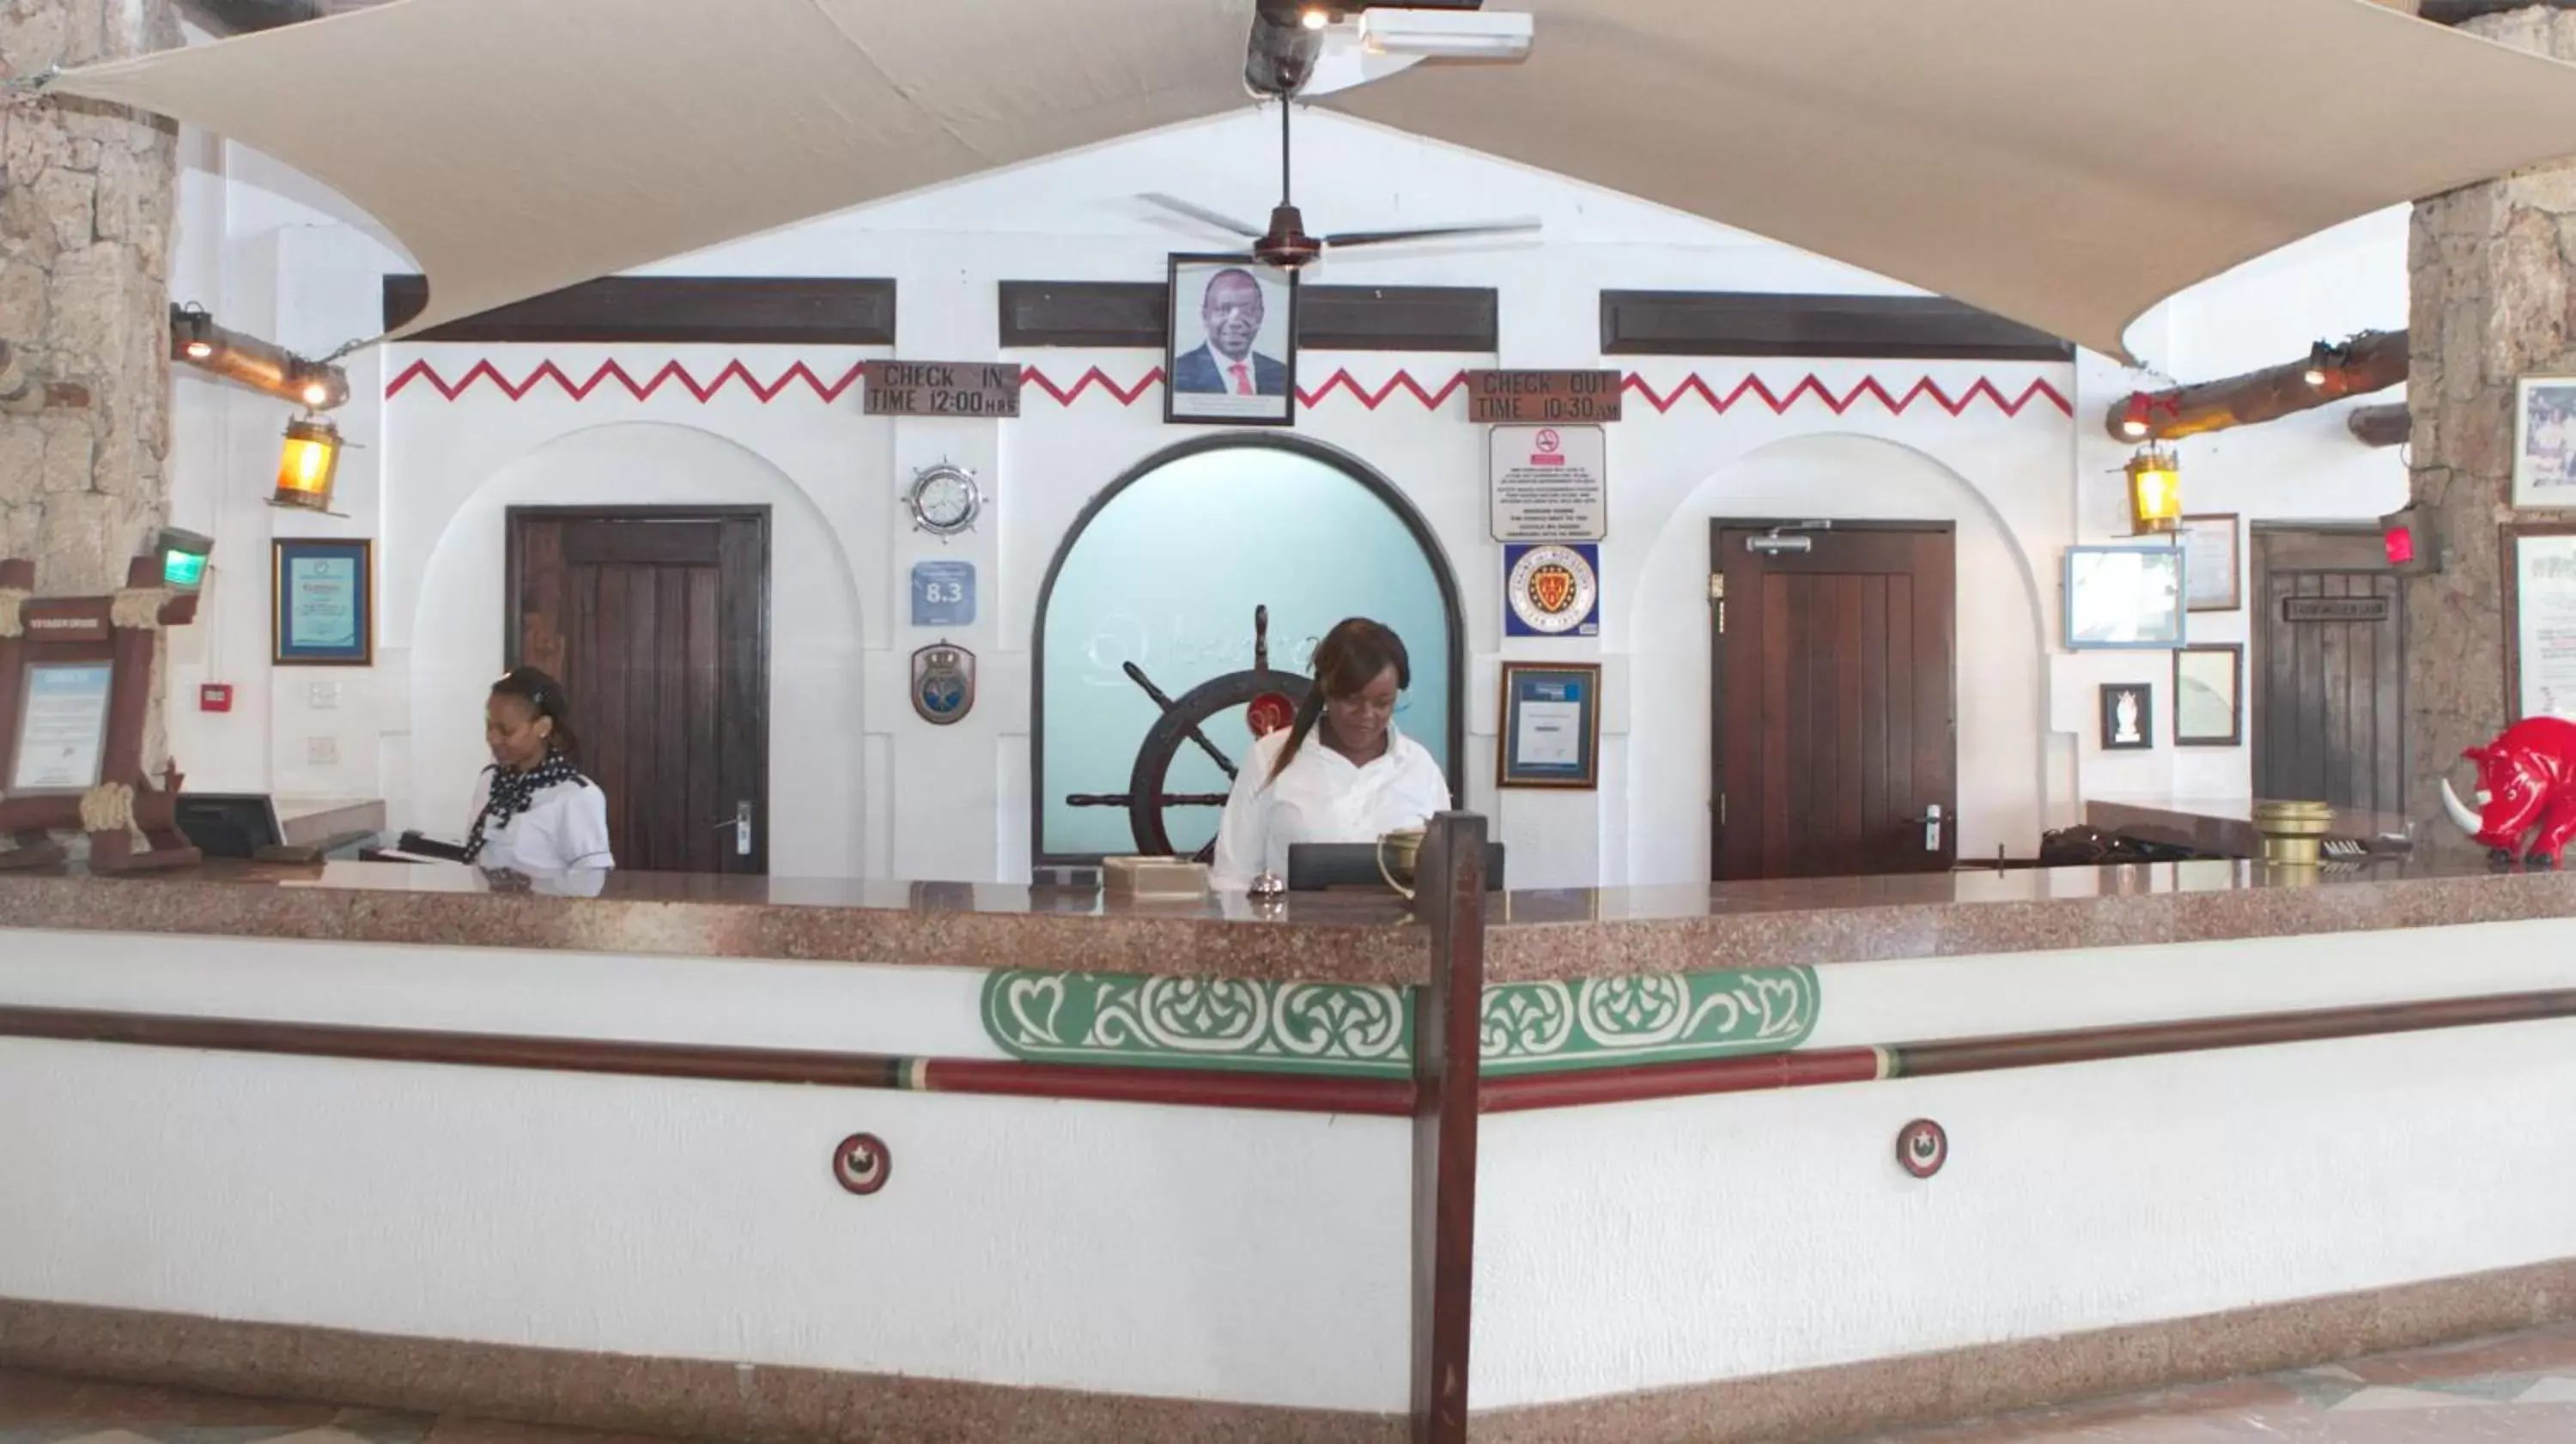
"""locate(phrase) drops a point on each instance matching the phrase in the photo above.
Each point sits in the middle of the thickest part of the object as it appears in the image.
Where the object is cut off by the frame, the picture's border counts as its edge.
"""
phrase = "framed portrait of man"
(1230, 349)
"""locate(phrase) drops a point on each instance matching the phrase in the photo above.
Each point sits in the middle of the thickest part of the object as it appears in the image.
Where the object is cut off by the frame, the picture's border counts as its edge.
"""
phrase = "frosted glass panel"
(1167, 575)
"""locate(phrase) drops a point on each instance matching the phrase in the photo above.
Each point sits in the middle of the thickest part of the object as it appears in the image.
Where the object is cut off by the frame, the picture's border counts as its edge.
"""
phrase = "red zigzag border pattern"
(1750, 388)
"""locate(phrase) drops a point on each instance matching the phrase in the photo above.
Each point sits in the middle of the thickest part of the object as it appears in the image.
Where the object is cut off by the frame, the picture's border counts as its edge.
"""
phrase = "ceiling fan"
(1286, 245)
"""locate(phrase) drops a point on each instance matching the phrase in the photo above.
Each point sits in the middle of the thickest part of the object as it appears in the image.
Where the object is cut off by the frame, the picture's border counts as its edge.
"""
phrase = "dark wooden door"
(2328, 670)
(1836, 743)
(657, 622)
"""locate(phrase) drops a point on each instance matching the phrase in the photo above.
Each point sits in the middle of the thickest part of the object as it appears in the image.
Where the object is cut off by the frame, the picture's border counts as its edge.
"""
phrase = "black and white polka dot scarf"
(512, 792)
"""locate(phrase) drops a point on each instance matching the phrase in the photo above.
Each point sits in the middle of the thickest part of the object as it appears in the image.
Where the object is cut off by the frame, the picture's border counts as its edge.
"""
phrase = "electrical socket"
(322, 751)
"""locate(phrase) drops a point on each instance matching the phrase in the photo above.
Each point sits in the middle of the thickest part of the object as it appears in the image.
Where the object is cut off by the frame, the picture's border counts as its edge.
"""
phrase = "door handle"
(740, 822)
(1930, 822)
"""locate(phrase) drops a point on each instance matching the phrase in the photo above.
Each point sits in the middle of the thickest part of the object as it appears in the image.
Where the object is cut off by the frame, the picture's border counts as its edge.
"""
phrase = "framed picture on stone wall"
(2544, 442)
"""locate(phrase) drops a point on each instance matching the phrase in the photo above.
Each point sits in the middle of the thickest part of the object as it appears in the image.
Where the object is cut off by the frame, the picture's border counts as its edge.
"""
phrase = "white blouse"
(1321, 797)
(565, 827)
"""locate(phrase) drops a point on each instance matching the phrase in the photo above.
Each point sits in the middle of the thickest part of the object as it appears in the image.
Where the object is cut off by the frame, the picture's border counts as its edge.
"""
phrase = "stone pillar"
(86, 197)
(2490, 267)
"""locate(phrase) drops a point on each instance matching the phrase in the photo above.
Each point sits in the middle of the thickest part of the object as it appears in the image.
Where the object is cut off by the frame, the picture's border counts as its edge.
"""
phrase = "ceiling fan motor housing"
(1287, 246)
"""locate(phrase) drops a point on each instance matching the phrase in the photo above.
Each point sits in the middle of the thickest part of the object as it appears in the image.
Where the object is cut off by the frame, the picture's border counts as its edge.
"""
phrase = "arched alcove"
(814, 634)
(1163, 571)
(2000, 630)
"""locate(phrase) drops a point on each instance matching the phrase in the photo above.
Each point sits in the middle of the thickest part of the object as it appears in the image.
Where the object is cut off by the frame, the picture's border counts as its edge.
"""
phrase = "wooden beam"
(2387, 425)
(2373, 361)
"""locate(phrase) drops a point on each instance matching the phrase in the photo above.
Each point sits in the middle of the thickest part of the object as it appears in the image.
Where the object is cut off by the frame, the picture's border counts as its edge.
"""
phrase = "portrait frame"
(1520, 761)
(1192, 387)
(2218, 667)
(2544, 443)
(291, 630)
(2139, 607)
(2219, 589)
(2144, 715)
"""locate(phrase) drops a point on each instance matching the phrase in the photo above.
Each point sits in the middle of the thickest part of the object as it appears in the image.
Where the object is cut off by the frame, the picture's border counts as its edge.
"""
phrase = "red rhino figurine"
(2526, 781)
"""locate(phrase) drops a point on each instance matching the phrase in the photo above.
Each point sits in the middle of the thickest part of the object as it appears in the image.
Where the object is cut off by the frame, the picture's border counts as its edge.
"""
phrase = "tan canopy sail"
(2065, 163)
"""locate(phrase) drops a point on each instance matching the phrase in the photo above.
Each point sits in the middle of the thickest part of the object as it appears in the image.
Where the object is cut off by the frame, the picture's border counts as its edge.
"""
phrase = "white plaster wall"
(1189, 1253)
(1251, 1256)
(1656, 1244)
(955, 801)
(456, 608)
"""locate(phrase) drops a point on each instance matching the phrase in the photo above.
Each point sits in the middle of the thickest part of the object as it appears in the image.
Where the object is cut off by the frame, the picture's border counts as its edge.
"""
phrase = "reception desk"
(774, 1157)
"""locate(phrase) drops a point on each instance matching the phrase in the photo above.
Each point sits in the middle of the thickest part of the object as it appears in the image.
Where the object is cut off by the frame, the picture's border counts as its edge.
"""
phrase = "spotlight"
(1316, 17)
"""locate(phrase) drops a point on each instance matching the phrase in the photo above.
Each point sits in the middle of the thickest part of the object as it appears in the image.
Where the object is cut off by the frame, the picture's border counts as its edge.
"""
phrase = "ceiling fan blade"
(1424, 233)
(1203, 215)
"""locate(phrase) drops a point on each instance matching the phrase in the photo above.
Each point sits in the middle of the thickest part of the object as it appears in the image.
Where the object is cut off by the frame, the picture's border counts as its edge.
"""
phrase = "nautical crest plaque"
(943, 683)
(1553, 590)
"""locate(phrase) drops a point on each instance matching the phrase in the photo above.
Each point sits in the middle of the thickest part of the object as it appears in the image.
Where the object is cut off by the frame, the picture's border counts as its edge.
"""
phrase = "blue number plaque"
(943, 594)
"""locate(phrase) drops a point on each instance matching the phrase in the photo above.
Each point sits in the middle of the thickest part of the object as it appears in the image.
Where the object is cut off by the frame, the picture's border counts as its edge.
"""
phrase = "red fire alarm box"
(215, 697)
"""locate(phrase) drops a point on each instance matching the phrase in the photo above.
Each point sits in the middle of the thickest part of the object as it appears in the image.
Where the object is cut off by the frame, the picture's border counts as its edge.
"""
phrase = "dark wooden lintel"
(1746, 323)
(673, 310)
(1129, 315)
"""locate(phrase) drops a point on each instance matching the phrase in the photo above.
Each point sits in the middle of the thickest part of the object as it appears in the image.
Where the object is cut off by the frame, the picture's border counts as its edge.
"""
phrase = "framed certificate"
(2213, 573)
(61, 734)
(1551, 725)
(322, 603)
(2124, 598)
(2540, 620)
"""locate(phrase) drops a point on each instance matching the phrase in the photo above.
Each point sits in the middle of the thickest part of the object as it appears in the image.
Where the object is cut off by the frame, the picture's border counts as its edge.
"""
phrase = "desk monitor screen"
(229, 824)
(1315, 866)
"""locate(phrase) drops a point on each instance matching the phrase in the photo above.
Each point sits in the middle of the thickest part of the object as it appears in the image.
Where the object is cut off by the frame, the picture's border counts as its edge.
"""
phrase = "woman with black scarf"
(533, 810)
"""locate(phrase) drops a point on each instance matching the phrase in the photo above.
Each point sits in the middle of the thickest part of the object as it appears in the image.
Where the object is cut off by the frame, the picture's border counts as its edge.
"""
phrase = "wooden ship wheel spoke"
(1271, 697)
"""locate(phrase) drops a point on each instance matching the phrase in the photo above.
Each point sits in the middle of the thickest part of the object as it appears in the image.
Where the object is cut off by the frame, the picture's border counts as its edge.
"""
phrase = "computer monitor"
(229, 824)
(1315, 866)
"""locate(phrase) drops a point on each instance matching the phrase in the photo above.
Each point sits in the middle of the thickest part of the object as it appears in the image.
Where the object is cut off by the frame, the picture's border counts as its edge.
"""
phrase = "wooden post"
(1451, 879)
(2388, 425)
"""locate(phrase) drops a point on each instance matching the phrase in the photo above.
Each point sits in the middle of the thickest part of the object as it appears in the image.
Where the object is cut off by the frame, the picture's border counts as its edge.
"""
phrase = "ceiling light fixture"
(1446, 34)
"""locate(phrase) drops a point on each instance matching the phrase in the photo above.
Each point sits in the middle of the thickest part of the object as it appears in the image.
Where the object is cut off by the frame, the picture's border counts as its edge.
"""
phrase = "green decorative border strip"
(1354, 1030)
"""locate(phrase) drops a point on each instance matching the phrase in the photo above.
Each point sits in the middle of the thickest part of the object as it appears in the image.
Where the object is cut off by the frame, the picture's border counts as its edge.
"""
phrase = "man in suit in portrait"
(1231, 311)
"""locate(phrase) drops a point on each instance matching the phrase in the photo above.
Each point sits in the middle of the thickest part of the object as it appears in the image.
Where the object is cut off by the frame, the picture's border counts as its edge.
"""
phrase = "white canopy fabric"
(2064, 163)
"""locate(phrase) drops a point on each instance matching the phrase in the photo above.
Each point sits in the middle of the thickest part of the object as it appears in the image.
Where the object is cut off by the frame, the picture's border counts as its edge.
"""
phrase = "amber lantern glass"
(2155, 492)
(308, 465)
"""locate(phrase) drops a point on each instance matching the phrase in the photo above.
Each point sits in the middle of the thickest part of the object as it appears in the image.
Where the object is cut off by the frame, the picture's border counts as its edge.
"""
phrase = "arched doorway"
(1163, 571)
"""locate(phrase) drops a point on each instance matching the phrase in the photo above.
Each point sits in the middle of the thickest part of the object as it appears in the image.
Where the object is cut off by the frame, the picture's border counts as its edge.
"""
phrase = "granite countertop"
(1355, 937)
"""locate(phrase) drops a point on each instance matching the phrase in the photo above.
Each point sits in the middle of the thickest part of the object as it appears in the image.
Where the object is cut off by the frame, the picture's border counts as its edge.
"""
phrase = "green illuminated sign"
(184, 570)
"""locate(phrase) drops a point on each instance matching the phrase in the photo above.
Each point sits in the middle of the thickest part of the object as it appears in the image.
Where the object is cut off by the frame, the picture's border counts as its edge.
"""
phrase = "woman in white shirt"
(533, 810)
(1341, 772)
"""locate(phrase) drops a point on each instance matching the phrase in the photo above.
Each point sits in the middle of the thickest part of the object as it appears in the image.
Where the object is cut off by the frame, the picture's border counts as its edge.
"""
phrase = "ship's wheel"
(1270, 699)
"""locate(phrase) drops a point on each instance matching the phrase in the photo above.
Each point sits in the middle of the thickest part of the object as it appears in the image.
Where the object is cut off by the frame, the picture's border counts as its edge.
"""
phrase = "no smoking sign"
(1549, 483)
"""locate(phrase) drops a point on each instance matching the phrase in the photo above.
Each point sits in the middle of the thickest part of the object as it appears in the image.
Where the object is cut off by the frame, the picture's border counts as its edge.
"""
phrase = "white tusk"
(2468, 821)
(2485, 797)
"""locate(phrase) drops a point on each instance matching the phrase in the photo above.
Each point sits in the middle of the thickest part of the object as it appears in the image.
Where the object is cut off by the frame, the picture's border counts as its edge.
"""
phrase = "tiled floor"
(2508, 1391)
(2518, 1388)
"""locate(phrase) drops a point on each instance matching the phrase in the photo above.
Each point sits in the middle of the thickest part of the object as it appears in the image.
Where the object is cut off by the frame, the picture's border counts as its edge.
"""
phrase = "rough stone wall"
(2490, 267)
(86, 199)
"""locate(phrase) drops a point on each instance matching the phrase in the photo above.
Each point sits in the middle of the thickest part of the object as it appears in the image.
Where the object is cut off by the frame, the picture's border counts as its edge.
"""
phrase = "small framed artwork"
(322, 609)
(2123, 598)
(2128, 718)
(2540, 620)
(1551, 725)
(2213, 573)
(1230, 342)
(2209, 688)
(2544, 441)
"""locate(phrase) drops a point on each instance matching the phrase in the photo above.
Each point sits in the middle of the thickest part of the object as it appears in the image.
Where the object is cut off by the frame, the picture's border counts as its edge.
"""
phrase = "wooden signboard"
(74, 690)
(1536, 397)
(973, 389)
(2334, 609)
